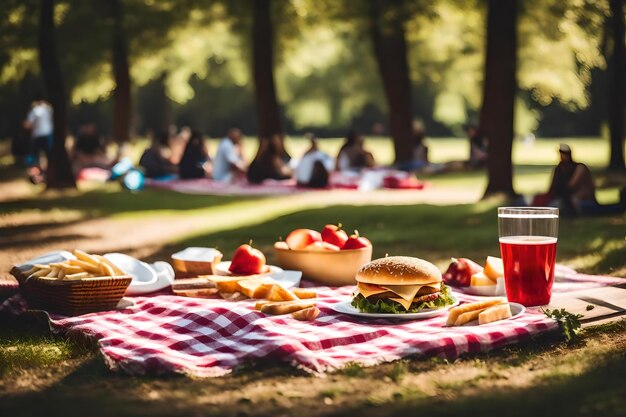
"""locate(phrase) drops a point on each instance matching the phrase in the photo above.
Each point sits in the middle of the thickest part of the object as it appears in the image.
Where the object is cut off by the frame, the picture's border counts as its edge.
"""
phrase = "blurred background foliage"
(190, 63)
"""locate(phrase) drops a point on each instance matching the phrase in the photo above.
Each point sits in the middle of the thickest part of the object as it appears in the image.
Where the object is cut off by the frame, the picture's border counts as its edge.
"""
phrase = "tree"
(617, 87)
(268, 116)
(59, 173)
(387, 32)
(122, 103)
(499, 88)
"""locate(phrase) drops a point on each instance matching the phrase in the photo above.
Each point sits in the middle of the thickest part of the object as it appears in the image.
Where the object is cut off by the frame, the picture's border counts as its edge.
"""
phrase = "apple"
(460, 272)
(335, 235)
(301, 238)
(247, 261)
(322, 246)
(356, 242)
(281, 245)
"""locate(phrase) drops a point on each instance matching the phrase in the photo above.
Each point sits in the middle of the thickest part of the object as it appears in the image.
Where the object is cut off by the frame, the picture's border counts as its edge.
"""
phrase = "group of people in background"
(163, 160)
(185, 155)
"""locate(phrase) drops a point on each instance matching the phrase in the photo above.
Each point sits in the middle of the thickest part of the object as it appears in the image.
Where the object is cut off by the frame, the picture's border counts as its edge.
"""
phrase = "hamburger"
(398, 285)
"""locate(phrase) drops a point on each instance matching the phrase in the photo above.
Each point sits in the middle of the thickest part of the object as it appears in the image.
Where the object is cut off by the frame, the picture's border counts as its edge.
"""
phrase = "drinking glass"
(528, 237)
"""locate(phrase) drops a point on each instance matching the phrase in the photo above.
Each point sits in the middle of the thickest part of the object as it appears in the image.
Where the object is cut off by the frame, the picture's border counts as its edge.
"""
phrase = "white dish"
(48, 258)
(146, 278)
(288, 279)
(516, 311)
(487, 290)
(196, 254)
(345, 307)
(222, 269)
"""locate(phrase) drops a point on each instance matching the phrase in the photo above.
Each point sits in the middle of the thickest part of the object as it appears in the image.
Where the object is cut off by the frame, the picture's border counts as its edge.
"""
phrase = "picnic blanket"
(211, 337)
(364, 181)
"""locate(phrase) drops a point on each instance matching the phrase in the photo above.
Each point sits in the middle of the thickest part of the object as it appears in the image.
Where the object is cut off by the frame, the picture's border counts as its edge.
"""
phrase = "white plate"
(288, 279)
(345, 307)
(487, 290)
(222, 269)
(516, 311)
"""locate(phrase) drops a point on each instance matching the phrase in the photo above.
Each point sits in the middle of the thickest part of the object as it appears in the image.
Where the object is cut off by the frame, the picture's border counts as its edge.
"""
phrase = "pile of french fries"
(84, 266)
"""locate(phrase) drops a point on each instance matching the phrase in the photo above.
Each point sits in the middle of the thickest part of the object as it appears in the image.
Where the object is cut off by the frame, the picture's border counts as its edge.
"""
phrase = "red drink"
(528, 268)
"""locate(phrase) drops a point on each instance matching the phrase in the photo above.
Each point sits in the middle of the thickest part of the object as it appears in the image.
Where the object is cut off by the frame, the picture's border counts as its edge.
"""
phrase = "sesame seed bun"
(399, 270)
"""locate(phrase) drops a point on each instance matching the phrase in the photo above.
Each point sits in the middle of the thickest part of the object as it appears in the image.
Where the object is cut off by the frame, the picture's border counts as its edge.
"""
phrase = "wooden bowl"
(333, 268)
(196, 261)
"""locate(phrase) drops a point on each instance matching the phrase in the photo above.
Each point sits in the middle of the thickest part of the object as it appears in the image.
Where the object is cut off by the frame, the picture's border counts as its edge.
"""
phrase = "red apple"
(322, 246)
(356, 242)
(247, 261)
(460, 272)
(335, 235)
(301, 238)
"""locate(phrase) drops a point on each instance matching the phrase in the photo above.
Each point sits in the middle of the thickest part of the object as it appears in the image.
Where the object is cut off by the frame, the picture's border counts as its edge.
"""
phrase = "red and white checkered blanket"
(210, 337)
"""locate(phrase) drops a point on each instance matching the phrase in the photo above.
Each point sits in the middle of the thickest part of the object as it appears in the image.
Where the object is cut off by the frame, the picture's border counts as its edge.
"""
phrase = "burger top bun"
(399, 270)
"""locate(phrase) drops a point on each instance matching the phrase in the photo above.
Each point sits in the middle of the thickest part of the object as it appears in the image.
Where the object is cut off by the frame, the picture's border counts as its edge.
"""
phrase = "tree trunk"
(122, 104)
(617, 86)
(390, 49)
(268, 116)
(499, 88)
(59, 172)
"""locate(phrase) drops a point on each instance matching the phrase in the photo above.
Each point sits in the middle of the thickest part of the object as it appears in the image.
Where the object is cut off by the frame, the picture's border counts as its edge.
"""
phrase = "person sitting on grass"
(229, 164)
(572, 189)
(352, 155)
(89, 155)
(156, 161)
(314, 167)
(195, 162)
(268, 162)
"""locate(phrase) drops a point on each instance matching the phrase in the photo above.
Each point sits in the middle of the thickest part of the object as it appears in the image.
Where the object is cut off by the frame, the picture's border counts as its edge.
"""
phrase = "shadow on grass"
(111, 201)
(431, 232)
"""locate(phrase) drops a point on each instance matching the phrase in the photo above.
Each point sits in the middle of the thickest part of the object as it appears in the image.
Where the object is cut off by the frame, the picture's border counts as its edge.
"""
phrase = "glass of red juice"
(528, 237)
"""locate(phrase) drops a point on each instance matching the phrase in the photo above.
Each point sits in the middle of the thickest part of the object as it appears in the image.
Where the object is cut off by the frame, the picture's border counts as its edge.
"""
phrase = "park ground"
(40, 371)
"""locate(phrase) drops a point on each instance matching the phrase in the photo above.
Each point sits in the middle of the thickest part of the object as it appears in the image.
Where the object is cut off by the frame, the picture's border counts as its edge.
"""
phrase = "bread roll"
(399, 270)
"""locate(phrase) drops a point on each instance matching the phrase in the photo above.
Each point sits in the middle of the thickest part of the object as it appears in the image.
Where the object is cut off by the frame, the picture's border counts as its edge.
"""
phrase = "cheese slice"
(406, 304)
(405, 292)
(408, 292)
(369, 289)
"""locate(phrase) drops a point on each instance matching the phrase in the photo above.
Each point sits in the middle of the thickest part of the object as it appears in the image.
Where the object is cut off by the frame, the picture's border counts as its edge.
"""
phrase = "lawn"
(546, 377)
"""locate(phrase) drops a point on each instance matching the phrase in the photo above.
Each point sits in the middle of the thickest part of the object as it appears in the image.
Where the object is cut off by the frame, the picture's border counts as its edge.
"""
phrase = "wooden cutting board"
(609, 304)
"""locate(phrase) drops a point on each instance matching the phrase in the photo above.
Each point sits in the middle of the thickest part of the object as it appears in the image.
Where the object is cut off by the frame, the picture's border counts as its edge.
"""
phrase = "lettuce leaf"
(391, 307)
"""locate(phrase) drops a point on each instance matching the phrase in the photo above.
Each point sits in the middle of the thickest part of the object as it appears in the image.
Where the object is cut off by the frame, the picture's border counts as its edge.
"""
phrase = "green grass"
(434, 232)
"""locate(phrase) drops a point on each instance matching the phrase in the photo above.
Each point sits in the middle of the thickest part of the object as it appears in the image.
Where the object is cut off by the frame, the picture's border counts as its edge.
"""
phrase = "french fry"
(86, 266)
(116, 270)
(41, 273)
(61, 274)
(85, 257)
(71, 269)
(107, 270)
(455, 312)
(54, 273)
(302, 293)
(79, 275)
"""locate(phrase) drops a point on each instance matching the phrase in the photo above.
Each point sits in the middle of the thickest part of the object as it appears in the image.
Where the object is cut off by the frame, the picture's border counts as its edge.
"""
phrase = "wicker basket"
(72, 298)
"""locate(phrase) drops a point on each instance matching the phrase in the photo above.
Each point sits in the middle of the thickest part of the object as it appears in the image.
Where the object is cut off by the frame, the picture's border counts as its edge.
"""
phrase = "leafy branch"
(568, 322)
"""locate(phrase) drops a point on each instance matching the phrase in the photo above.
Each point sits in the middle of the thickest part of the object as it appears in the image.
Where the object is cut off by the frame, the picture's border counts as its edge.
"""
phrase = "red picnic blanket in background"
(212, 337)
